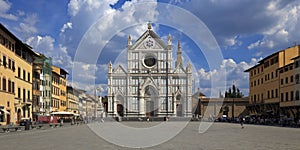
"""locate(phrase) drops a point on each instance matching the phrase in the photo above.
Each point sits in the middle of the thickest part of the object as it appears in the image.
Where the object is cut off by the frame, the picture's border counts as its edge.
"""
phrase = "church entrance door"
(179, 110)
(120, 110)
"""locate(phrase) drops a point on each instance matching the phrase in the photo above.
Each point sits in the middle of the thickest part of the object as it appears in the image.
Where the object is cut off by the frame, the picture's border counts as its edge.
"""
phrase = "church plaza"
(218, 136)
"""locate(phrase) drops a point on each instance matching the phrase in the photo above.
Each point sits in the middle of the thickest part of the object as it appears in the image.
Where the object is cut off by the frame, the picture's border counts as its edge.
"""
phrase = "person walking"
(242, 120)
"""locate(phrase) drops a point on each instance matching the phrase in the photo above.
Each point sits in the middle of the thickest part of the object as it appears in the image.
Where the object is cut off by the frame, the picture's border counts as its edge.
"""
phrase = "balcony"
(27, 102)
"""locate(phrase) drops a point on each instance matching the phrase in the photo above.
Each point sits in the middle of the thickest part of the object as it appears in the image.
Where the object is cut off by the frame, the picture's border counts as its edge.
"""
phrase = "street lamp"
(167, 86)
(232, 108)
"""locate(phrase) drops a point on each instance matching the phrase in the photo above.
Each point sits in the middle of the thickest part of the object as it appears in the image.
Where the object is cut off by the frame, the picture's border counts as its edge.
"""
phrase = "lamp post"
(232, 109)
(167, 88)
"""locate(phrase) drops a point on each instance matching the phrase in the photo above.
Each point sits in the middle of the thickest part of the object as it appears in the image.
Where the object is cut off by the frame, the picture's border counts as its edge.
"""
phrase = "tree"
(233, 93)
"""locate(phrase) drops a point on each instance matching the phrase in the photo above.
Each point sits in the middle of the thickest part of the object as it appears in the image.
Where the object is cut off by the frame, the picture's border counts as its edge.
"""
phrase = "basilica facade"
(151, 86)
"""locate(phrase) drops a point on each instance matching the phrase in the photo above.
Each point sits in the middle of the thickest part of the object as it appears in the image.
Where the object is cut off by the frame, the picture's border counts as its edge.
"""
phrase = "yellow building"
(271, 81)
(59, 89)
(72, 100)
(16, 78)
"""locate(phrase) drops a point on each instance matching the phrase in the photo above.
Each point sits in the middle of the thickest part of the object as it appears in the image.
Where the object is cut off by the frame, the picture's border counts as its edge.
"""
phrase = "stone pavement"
(218, 136)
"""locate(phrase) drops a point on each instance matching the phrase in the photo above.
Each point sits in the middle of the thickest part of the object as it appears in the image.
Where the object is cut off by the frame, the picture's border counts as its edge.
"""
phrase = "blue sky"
(245, 30)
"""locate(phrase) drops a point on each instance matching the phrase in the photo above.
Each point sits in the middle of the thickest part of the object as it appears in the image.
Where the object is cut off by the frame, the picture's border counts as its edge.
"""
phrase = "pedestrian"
(61, 122)
(242, 120)
(51, 119)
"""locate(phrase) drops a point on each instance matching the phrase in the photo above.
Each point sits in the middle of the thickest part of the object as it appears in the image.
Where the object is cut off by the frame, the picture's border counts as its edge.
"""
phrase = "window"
(13, 87)
(281, 81)
(297, 95)
(286, 96)
(262, 80)
(19, 72)
(292, 78)
(9, 63)
(24, 95)
(13, 65)
(292, 95)
(272, 76)
(268, 94)
(4, 61)
(296, 64)
(297, 79)
(276, 92)
(9, 86)
(24, 75)
(286, 80)
(28, 76)
(281, 71)
(281, 97)
(19, 92)
(266, 64)
(272, 93)
(4, 84)
(28, 95)
(266, 78)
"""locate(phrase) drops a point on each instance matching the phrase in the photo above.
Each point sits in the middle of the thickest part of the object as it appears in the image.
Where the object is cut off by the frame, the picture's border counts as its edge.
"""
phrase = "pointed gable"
(160, 44)
(119, 70)
(179, 69)
(149, 81)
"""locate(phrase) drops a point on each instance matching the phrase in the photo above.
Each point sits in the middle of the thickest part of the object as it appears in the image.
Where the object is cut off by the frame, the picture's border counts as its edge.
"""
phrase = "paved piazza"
(218, 136)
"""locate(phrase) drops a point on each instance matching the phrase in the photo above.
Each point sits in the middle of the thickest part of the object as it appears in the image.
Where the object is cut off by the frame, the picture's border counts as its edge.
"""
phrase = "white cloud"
(46, 45)
(67, 25)
(27, 27)
(234, 73)
(43, 44)
(74, 6)
(4, 8)
(285, 31)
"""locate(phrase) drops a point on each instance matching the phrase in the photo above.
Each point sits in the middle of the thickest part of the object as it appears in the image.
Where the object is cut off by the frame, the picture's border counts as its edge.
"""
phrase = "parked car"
(223, 118)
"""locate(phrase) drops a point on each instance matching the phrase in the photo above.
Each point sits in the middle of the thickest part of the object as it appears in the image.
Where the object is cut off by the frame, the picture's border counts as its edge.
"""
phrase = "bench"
(54, 125)
(37, 126)
(7, 128)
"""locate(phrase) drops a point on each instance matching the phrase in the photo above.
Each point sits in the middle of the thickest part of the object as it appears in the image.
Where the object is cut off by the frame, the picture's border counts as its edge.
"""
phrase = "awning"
(62, 113)
(5, 111)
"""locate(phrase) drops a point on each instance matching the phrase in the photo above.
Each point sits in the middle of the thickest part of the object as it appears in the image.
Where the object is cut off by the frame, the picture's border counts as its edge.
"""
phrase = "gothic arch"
(150, 94)
(180, 103)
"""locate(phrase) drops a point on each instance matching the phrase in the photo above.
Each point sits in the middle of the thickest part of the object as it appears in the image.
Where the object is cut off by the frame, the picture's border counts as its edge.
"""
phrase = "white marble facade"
(141, 89)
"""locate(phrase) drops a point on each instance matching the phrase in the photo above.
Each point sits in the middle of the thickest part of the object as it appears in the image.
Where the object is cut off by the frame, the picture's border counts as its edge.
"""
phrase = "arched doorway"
(150, 97)
(120, 105)
(120, 110)
(178, 106)
(18, 116)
